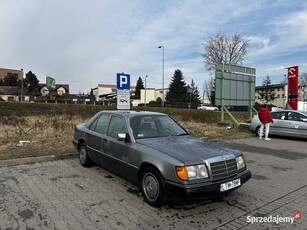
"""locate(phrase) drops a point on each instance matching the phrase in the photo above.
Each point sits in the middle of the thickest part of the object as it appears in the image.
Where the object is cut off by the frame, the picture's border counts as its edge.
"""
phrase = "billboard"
(50, 83)
(293, 86)
(234, 85)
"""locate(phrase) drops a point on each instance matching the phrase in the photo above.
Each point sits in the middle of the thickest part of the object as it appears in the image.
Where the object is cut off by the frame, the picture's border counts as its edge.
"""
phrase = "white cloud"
(88, 42)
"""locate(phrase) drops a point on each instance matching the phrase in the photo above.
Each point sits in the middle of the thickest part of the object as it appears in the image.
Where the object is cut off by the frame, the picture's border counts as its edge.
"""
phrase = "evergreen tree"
(194, 93)
(267, 94)
(139, 86)
(10, 80)
(31, 82)
(177, 89)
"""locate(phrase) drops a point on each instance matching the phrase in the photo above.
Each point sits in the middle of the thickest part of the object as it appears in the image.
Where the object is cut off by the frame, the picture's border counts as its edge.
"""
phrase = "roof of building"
(65, 86)
(112, 86)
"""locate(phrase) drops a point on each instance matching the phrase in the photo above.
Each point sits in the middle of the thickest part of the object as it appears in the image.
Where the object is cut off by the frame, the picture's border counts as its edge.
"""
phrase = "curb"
(32, 160)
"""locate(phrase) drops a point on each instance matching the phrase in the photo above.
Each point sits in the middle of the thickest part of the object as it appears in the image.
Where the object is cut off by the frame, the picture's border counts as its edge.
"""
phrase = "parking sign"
(123, 91)
(123, 81)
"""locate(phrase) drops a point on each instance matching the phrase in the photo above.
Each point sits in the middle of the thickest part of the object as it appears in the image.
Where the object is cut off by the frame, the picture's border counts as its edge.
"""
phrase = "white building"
(105, 92)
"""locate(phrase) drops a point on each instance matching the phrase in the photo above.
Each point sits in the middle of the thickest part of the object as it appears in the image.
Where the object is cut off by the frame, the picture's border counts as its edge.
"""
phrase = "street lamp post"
(21, 85)
(162, 74)
(190, 91)
(145, 90)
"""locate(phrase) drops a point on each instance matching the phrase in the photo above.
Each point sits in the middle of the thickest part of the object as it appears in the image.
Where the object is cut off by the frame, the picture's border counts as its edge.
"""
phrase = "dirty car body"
(153, 151)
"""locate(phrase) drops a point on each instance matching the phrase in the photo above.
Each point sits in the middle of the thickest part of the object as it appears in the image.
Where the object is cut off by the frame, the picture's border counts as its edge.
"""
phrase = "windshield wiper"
(182, 134)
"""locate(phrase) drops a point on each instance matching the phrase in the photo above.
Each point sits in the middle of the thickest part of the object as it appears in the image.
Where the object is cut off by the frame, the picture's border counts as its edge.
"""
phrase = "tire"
(258, 131)
(84, 158)
(153, 188)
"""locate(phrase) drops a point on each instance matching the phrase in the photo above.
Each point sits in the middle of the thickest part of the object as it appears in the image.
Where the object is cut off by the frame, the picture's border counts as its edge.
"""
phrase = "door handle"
(104, 140)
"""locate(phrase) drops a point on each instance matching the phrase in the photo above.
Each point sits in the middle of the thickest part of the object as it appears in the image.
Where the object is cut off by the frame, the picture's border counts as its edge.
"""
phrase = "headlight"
(192, 172)
(240, 162)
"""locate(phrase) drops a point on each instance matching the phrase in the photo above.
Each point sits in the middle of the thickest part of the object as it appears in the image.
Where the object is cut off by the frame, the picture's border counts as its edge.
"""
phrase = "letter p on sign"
(123, 81)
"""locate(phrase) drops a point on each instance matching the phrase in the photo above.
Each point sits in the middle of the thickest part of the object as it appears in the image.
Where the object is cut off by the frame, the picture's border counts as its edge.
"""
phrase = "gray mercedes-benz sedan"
(153, 151)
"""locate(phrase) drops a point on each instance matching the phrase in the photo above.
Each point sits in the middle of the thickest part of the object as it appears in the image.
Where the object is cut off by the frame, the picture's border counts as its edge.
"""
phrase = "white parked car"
(207, 107)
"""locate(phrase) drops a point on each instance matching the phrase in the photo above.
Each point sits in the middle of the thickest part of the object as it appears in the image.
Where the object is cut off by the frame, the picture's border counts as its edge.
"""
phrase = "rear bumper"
(204, 190)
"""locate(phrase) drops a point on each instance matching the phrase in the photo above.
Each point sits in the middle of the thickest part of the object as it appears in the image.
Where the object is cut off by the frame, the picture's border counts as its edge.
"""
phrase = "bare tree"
(303, 86)
(225, 49)
(209, 90)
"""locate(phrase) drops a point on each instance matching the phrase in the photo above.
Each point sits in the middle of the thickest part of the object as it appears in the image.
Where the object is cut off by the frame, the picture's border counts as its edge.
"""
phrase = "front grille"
(223, 169)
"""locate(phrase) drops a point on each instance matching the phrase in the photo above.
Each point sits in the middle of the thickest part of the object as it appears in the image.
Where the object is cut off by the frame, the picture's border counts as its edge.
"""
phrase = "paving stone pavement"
(61, 194)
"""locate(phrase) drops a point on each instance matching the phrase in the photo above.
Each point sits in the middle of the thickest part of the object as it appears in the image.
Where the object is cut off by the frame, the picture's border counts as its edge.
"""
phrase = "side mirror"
(305, 120)
(123, 137)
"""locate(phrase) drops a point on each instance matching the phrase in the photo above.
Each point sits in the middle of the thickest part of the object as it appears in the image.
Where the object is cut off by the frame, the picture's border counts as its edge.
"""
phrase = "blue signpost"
(123, 81)
(123, 90)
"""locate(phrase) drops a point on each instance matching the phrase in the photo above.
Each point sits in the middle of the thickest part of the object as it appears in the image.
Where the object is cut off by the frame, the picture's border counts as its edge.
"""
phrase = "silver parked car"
(153, 151)
(291, 123)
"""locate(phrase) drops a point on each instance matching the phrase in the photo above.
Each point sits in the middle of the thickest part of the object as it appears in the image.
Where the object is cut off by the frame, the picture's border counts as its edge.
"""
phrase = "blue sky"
(85, 43)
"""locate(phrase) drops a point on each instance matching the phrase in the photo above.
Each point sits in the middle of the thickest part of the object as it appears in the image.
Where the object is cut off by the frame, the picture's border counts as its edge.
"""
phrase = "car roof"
(289, 110)
(129, 113)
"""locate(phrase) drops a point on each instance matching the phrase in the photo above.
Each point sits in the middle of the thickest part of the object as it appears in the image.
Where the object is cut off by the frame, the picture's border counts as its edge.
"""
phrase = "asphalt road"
(61, 194)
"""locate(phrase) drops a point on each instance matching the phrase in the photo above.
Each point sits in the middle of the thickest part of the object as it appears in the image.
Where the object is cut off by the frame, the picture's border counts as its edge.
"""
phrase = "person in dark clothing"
(265, 119)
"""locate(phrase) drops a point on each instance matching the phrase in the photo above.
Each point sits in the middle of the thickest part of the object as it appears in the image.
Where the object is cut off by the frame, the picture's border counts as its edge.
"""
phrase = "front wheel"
(153, 188)
(84, 158)
(258, 131)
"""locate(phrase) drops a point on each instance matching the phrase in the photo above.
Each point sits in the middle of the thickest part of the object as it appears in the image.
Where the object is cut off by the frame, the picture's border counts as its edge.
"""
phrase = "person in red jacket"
(265, 119)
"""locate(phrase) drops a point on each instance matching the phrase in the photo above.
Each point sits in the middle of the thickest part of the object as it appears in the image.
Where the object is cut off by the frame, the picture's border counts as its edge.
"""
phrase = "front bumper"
(75, 143)
(203, 190)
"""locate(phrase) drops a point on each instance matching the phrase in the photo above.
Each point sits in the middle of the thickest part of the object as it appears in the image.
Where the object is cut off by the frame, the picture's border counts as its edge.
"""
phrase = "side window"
(279, 115)
(117, 125)
(102, 124)
(293, 116)
(93, 125)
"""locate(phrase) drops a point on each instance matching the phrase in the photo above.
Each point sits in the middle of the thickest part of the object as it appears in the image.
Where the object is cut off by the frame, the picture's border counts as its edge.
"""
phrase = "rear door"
(95, 135)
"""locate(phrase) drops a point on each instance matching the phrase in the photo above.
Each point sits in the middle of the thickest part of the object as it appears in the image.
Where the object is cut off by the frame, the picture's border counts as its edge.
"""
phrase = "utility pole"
(145, 90)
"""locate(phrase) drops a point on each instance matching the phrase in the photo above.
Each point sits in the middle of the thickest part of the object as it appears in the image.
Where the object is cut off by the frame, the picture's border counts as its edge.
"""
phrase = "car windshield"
(149, 126)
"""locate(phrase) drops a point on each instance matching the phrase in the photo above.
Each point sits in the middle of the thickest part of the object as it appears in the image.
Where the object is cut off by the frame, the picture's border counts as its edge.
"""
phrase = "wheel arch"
(80, 143)
(147, 165)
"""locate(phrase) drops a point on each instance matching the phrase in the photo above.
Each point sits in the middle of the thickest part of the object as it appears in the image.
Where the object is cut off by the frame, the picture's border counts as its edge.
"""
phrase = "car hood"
(187, 149)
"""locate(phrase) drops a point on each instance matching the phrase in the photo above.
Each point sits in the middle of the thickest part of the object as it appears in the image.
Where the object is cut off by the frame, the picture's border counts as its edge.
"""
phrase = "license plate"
(230, 185)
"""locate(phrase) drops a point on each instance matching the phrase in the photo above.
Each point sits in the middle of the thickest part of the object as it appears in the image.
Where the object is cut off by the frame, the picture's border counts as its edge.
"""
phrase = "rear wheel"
(84, 158)
(153, 188)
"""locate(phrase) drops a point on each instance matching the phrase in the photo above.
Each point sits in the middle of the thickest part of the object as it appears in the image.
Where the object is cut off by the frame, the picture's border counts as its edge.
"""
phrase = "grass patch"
(37, 129)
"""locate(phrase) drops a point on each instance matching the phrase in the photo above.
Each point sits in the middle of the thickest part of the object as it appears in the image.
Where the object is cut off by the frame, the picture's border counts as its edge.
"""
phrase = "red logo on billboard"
(293, 87)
